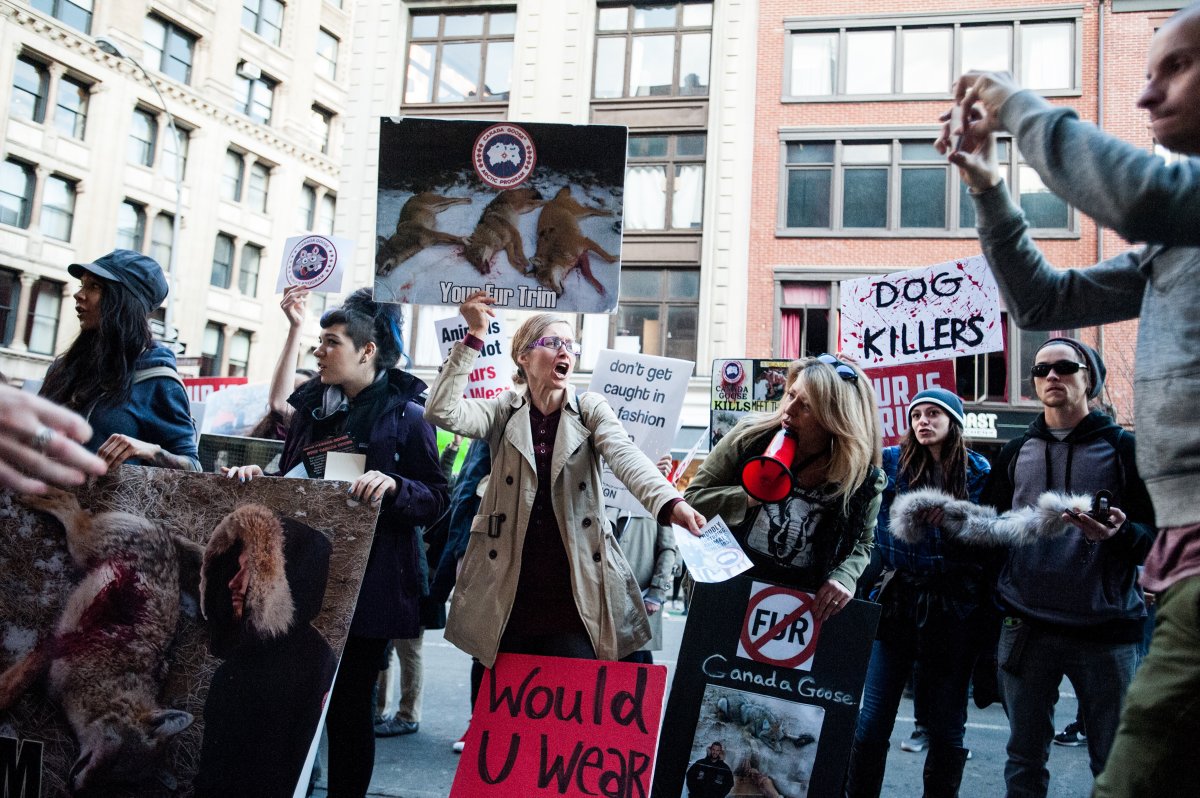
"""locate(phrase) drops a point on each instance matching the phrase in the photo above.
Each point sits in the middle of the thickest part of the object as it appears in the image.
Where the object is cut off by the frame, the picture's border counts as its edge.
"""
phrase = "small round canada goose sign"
(311, 261)
(504, 156)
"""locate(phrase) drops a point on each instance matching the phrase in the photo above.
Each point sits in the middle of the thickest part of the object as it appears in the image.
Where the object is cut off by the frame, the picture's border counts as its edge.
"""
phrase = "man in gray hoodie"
(1071, 602)
(1143, 199)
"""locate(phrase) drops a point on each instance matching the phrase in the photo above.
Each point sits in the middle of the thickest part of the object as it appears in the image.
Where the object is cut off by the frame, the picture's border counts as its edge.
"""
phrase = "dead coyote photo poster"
(164, 633)
(530, 212)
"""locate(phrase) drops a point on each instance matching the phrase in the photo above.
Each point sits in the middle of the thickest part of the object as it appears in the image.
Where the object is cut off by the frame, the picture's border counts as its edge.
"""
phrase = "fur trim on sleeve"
(980, 526)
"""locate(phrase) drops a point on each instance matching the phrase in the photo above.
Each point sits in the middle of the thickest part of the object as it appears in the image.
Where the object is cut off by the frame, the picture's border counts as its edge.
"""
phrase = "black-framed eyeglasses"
(556, 343)
(1062, 368)
(844, 371)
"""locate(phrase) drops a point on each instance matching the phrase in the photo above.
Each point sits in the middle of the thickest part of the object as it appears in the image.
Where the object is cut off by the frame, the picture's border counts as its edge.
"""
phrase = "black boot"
(864, 776)
(943, 770)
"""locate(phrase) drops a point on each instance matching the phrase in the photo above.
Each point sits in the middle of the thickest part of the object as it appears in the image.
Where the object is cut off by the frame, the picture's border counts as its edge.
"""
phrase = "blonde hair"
(529, 331)
(845, 409)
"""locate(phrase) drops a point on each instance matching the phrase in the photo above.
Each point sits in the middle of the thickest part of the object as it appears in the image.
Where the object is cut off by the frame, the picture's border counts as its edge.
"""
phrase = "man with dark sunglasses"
(1072, 604)
(1132, 191)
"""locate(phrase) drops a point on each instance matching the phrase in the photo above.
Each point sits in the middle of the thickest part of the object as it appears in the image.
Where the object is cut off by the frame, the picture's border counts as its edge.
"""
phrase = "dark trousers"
(944, 647)
(350, 721)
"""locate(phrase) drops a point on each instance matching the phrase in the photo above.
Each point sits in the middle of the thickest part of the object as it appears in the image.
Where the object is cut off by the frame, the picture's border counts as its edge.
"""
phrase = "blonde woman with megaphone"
(814, 467)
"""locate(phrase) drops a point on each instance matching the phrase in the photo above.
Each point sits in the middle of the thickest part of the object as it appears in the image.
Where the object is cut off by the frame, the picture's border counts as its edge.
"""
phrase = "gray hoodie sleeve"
(1122, 187)
(1040, 297)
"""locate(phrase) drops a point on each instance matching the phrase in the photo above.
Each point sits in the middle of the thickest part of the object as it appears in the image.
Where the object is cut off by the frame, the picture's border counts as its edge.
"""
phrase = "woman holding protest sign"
(817, 535)
(542, 573)
(360, 403)
(935, 595)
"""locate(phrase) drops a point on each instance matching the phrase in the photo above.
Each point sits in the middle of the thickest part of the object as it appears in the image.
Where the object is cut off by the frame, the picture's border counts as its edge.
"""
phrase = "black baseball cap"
(139, 274)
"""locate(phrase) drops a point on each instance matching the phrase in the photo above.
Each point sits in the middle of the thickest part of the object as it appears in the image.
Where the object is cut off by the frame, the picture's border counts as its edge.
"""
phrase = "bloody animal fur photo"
(134, 608)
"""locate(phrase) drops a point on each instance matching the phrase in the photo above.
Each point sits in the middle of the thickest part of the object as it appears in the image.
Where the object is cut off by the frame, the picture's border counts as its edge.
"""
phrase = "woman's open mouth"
(562, 369)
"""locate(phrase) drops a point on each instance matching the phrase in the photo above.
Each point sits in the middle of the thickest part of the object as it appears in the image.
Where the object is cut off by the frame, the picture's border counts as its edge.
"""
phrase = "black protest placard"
(763, 692)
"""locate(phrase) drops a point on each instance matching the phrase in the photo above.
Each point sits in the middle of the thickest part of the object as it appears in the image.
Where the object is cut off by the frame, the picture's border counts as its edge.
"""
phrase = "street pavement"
(422, 765)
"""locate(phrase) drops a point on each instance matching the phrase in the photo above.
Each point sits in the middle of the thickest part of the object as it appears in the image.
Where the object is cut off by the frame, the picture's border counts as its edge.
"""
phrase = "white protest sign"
(780, 628)
(714, 556)
(646, 392)
(932, 313)
(316, 262)
(492, 374)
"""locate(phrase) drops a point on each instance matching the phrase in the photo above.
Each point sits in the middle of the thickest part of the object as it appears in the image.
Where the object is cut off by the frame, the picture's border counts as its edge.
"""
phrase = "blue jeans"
(1100, 673)
(945, 647)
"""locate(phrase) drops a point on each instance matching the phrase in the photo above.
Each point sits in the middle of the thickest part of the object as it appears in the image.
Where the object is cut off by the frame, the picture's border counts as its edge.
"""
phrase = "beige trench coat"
(607, 596)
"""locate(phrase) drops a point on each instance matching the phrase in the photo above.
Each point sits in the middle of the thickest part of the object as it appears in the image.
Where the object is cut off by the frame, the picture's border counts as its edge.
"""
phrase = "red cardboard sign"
(198, 388)
(547, 726)
(896, 386)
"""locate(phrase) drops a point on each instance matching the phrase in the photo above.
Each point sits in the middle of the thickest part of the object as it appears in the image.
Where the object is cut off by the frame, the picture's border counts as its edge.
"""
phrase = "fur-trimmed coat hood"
(288, 565)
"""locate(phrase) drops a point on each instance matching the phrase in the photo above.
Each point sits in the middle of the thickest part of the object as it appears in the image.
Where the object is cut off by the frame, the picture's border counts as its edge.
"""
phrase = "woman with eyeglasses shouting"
(542, 573)
(818, 536)
(936, 597)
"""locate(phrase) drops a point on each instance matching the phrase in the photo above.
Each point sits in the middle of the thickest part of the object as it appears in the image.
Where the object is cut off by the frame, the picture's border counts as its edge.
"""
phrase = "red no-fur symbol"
(796, 645)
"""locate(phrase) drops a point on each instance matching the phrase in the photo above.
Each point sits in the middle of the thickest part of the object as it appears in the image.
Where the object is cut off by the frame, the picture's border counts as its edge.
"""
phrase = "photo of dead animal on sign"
(530, 212)
(172, 634)
(769, 745)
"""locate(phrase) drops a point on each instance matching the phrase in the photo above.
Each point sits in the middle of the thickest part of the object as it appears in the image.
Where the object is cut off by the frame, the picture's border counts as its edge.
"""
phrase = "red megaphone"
(768, 476)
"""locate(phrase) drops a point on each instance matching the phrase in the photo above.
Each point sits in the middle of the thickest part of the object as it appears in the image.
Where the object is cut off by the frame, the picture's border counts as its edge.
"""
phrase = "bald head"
(1173, 82)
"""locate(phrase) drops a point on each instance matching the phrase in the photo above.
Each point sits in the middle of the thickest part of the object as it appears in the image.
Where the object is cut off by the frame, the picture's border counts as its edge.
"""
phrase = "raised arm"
(294, 305)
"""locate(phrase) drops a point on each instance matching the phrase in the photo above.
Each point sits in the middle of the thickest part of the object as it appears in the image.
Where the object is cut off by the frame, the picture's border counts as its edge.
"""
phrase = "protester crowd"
(527, 553)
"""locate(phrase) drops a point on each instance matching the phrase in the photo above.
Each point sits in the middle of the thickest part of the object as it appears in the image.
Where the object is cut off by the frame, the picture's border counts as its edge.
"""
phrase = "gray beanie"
(1095, 363)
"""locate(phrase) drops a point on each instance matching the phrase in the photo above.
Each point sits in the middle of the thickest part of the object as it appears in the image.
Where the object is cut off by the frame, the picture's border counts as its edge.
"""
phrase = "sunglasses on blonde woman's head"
(1062, 368)
(556, 343)
(844, 371)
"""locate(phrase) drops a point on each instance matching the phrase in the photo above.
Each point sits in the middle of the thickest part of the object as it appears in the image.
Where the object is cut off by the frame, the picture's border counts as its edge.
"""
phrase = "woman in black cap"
(116, 375)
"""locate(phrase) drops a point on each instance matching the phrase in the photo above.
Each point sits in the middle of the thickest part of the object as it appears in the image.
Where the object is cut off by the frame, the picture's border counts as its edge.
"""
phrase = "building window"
(210, 351)
(659, 311)
(10, 293)
(322, 122)
(131, 226)
(664, 182)
(804, 311)
(142, 137)
(222, 262)
(264, 17)
(256, 188)
(76, 13)
(327, 54)
(258, 96)
(883, 57)
(16, 192)
(31, 84)
(460, 57)
(41, 327)
(162, 238)
(652, 50)
(892, 185)
(58, 207)
(70, 111)
(307, 209)
(169, 48)
(231, 176)
(325, 214)
(175, 151)
(239, 354)
(248, 271)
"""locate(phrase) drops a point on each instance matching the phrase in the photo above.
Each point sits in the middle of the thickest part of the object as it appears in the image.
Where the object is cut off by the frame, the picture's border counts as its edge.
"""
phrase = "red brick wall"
(1126, 37)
